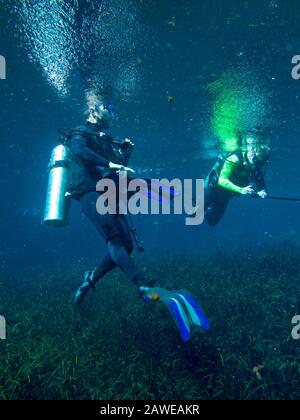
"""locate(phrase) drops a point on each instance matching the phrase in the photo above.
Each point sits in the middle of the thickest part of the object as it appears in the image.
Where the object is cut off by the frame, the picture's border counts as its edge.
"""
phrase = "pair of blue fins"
(183, 307)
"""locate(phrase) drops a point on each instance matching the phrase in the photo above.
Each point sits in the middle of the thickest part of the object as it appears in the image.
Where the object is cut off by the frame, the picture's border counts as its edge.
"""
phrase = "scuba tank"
(58, 201)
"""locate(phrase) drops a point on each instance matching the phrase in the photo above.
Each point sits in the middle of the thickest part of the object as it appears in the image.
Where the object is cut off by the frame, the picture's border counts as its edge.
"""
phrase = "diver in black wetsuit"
(240, 173)
(95, 155)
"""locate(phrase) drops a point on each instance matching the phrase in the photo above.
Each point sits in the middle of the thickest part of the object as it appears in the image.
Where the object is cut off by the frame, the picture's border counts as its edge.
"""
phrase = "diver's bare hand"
(120, 168)
(128, 143)
(126, 169)
(248, 191)
(262, 194)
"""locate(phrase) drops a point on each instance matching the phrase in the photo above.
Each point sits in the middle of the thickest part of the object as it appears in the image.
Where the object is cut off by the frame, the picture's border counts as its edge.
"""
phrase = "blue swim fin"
(183, 307)
(194, 311)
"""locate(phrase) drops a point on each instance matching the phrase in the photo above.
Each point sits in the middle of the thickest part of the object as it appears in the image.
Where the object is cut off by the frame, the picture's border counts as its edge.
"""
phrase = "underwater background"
(183, 77)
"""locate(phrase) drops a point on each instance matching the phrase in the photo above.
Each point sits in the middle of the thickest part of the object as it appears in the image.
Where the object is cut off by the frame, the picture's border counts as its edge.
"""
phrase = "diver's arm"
(80, 148)
(227, 170)
(127, 149)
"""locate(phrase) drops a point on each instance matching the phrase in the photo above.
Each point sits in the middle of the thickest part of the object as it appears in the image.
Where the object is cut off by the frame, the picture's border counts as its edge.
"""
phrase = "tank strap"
(59, 164)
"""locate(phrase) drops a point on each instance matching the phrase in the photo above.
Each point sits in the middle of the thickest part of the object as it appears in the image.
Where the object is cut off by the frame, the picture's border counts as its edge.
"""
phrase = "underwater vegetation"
(117, 347)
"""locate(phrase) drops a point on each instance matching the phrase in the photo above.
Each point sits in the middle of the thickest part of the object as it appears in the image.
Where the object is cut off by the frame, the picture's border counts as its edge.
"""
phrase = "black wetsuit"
(95, 152)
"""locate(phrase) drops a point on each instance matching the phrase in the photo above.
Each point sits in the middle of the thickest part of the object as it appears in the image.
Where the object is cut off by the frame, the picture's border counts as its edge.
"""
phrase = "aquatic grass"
(116, 347)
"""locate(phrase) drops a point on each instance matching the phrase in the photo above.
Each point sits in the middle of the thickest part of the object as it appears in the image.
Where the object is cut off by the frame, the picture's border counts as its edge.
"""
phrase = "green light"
(240, 103)
(226, 120)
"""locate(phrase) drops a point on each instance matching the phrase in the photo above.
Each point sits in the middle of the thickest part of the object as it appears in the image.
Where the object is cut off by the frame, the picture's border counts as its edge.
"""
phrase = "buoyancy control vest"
(212, 180)
(100, 143)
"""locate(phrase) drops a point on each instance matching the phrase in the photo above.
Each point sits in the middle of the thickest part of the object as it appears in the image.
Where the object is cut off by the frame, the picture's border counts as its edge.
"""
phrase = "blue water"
(136, 55)
(154, 61)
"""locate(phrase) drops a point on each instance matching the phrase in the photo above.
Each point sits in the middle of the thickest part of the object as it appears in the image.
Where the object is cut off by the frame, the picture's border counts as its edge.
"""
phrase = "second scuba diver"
(96, 156)
(239, 173)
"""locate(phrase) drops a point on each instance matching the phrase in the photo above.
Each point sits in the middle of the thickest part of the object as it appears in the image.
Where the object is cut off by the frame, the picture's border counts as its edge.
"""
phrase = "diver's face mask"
(257, 153)
(105, 115)
(102, 115)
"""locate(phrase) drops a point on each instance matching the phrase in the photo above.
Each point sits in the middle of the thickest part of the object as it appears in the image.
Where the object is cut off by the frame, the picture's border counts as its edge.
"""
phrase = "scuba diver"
(239, 173)
(96, 155)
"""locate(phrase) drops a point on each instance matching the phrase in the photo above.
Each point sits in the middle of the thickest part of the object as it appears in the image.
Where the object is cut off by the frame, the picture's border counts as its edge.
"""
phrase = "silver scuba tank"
(58, 201)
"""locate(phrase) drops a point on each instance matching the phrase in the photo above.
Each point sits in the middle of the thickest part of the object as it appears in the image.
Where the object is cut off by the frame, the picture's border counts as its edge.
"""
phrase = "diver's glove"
(88, 284)
(262, 194)
(119, 168)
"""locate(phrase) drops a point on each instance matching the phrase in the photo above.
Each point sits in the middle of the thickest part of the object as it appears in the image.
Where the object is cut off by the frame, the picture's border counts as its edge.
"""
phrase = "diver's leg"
(125, 233)
(108, 264)
(115, 231)
(121, 247)
(216, 211)
(208, 194)
(88, 206)
(91, 278)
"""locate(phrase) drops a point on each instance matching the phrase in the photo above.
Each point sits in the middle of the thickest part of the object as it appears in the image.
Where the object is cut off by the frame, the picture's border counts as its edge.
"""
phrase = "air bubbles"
(93, 42)
(44, 30)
